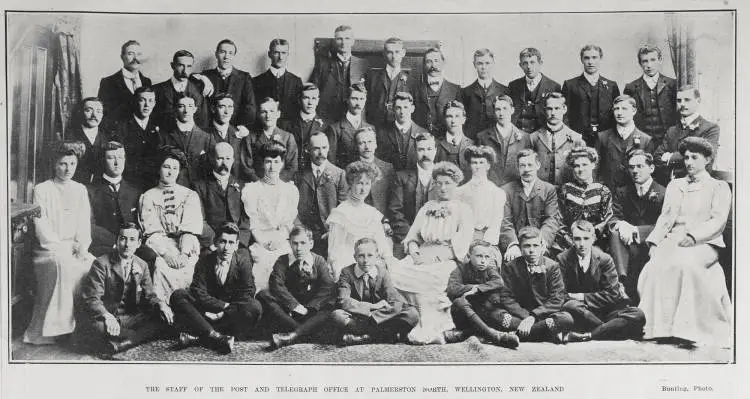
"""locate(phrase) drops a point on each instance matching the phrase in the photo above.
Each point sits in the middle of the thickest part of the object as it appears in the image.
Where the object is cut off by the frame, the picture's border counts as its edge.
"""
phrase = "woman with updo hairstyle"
(271, 207)
(172, 219)
(354, 219)
(582, 198)
(63, 235)
(437, 240)
(682, 287)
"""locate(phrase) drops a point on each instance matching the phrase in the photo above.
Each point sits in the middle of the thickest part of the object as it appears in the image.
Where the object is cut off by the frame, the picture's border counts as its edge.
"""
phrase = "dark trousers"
(463, 311)
(279, 320)
(400, 323)
(540, 332)
(629, 260)
(136, 327)
(239, 318)
(621, 323)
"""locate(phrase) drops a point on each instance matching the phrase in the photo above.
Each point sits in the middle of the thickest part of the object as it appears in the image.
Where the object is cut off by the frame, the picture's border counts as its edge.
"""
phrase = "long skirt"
(684, 295)
(168, 280)
(263, 261)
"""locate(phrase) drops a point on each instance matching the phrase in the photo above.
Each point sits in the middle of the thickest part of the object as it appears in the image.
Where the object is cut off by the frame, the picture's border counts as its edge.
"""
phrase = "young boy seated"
(299, 298)
(536, 284)
(370, 308)
(596, 299)
(479, 297)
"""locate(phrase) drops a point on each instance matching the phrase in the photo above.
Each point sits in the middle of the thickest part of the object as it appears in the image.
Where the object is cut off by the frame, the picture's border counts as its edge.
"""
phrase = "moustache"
(434, 69)
(223, 168)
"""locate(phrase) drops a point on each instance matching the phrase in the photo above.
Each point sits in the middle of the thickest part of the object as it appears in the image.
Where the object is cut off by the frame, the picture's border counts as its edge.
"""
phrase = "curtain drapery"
(681, 38)
(66, 90)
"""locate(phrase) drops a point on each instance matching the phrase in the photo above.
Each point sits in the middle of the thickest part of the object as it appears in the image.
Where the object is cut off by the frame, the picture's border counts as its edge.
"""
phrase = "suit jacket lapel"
(605, 98)
(309, 178)
(583, 83)
(121, 86)
(660, 84)
(116, 263)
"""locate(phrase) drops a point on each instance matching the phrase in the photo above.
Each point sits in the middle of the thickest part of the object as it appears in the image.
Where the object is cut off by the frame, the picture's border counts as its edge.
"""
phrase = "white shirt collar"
(141, 122)
(527, 187)
(277, 72)
(358, 271)
(504, 131)
(355, 120)
(403, 128)
(223, 180)
(690, 119)
(651, 81)
(454, 138)
(592, 78)
(625, 131)
(90, 133)
(179, 86)
(424, 175)
(222, 129)
(112, 180)
(584, 262)
(485, 83)
(345, 57)
(321, 168)
(306, 260)
(307, 117)
(392, 72)
(131, 75)
(641, 189)
(533, 83)
(185, 127)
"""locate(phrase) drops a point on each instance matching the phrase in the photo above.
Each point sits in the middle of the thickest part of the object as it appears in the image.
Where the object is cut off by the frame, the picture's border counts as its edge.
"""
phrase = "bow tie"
(433, 82)
(535, 269)
(692, 179)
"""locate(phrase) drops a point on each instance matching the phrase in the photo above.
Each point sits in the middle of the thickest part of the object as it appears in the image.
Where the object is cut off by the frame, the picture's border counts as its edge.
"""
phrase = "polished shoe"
(223, 344)
(283, 339)
(351, 339)
(578, 337)
(114, 347)
(506, 340)
(455, 335)
(185, 340)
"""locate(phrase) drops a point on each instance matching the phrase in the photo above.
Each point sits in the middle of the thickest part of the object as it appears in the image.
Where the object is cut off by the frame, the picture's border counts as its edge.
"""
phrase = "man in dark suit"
(300, 294)
(590, 96)
(370, 307)
(595, 297)
(397, 139)
(278, 83)
(341, 133)
(89, 129)
(692, 124)
(411, 188)
(251, 166)
(307, 122)
(536, 284)
(384, 83)
(322, 187)
(614, 144)
(222, 130)
(452, 147)
(227, 79)
(367, 146)
(220, 298)
(506, 139)
(636, 207)
(531, 202)
(477, 97)
(182, 133)
(528, 92)
(220, 194)
(433, 93)
(335, 73)
(120, 308)
(181, 83)
(116, 91)
(113, 200)
(140, 136)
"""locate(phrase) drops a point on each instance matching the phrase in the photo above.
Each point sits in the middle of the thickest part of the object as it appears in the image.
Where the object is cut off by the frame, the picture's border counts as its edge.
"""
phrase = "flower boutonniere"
(605, 83)
(235, 185)
(652, 196)
(317, 120)
(693, 126)
(637, 139)
(276, 137)
(403, 77)
(439, 212)
(538, 269)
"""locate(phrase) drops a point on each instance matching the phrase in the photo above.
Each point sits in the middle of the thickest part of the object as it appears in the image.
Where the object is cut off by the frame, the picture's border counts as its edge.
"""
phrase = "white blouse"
(271, 208)
(164, 211)
(487, 202)
(65, 214)
(443, 223)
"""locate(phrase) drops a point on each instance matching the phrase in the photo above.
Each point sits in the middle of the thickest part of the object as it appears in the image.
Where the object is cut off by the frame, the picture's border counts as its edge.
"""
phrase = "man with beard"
(278, 83)
(140, 136)
(307, 122)
(251, 164)
(553, 141)
(367, 145)
(384, 83)
(220, 195)
(341, 133)
(528, 92)
(396, 141)
(221, 128)
(181, 83)
(411, 188)
(336, 72)
(433, 94)
(116, 91)
(477, 97)
(322, 187)
(89, 131)
(227, 79)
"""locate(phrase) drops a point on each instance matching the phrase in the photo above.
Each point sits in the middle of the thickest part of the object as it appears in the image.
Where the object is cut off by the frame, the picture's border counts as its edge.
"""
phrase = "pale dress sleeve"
(45, 232)
(337, 241)
(721, 202)
(83, 220)
(289, 216)
(415, 229)
(384, 245)
(192, 215)
(668, 215)
(151, 223)
(462, 239)
(495, 218)
(250, 203)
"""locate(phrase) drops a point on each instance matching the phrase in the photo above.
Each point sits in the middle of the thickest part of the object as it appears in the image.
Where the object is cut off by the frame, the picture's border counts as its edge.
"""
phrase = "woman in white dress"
(271, 207)
(439, 237)
(682, 287)
(172, 220)
(353, 219)
(61, 258)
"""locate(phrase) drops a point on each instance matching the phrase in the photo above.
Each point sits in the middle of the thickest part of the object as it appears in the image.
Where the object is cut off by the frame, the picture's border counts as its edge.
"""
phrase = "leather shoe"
(506, 340)
(113, 347)
(351, 339)
(185, 340)
(578, 337)
(455, 335)
(223, 344)
(281, 340)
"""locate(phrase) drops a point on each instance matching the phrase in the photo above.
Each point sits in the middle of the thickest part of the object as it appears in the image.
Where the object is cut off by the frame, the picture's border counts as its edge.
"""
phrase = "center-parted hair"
(357, 169)
(639, 152)
(590, 47)
(580, 150)
(527, 152)
(480, 151)
(530, 52)
(277, 42)
(366, 129)
(448, 169)
(434, 50)
(403, 96)
(482, 52)
(554, 95)
(272, 150)
(696, 144)
(394, 40)
(226, 41)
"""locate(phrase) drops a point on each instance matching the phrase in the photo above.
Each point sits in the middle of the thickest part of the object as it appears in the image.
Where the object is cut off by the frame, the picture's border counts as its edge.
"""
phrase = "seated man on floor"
(536, 284)
(479, 295)
(370, 307)
(595, 297)
(299, 298)
(121, 308)
(220, 299)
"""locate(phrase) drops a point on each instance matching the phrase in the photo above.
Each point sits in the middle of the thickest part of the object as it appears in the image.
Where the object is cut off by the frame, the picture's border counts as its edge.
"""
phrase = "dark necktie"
(552, 159)
(369, 283)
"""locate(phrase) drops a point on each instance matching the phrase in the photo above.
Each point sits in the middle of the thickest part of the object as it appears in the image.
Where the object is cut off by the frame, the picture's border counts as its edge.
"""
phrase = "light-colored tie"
(221, 271)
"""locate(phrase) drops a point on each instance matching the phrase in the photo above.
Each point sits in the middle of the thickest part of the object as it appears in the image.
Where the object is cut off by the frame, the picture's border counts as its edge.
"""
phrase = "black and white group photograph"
(435, 188)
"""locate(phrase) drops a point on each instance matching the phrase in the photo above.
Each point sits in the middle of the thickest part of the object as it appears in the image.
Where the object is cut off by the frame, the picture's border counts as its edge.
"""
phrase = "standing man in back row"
(117, 90)
(478, 96)
(433, 93)
(278, 83)
(528, 92)
(383, 83)
(238, 84)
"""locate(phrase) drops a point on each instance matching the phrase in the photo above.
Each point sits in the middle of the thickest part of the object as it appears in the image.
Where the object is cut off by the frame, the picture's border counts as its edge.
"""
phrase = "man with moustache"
(140, 136)
(114, 200)
(182, 83)
(221, 197)
(341, 133)
(396, 141)
(307, 122)
(506, 139)
(553, 141)
(453, 146)
(528, 92)
(278, 83)
(433, 94)
(411, 188)
(384, 83)
(367, 146)
(477, 97)
(116, 91)
(226, 78)
(336, 72)
(655, 95)
(322, 187)
(590, 97)
(251, 168)
(221, 128)
(89, 130)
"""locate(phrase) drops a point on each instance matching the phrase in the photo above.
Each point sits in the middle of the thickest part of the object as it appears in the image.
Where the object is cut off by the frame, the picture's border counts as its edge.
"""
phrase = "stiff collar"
(277, 72)
(592, 79)
(651, 81)
(359, 271)
(186, 126)
(179, 86)
(625, 131)
(355, 120)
